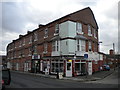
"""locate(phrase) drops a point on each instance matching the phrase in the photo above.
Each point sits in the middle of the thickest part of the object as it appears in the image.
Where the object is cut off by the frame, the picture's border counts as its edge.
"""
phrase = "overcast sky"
(23, 15)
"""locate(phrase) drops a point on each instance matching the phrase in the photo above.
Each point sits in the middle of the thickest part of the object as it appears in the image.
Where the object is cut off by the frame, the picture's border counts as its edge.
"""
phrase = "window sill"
(89, 34)
(44, 52)
(80, 32)
(46, 37)
(55, 34)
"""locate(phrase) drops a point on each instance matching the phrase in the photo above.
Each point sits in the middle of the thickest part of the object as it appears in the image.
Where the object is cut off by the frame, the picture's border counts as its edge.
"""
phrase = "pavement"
(96, 76)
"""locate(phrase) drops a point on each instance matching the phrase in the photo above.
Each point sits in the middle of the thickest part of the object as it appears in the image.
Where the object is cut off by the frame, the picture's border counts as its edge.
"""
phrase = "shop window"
(77, 66)
(57, 66)
(44, 65)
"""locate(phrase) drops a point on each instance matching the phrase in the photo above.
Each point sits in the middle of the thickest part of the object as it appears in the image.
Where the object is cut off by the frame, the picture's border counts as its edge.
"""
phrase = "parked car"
(106, 67)
(6, 77)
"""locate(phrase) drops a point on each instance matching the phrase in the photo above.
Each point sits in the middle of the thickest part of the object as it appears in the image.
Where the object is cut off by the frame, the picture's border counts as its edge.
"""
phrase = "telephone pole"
(114, 55)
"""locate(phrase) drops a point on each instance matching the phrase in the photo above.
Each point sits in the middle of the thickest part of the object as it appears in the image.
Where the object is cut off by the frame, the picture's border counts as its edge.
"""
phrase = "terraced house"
(68, 44)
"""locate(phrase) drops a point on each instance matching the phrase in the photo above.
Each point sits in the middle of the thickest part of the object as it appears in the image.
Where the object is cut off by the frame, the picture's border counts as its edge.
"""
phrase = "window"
(95, 33)
(95, 47)
(56, 29)
(83, 45)
(79, 28)
(35, 49)
(46, 33)
(89, 31)
(35, 37)
(90, 46)
(23, 41)
(30, 51)
(20, 43)
(80, 45)
(55, 46)
(57, 65)
(45, 48)
(30, 39)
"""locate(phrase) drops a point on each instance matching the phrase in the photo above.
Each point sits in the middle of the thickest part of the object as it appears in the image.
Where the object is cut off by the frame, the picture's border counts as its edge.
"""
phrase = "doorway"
(68, 69)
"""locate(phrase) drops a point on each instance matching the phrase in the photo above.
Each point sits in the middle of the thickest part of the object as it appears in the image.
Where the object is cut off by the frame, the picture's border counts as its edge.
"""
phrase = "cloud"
(19, 17)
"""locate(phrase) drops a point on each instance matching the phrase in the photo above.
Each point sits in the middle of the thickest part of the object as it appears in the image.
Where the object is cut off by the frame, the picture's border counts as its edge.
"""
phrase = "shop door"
(68, 69)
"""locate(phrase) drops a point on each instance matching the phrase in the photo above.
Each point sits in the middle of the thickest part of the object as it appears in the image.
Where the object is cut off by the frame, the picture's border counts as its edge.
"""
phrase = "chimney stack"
(111, 52)
(20, 36)
(40, 25)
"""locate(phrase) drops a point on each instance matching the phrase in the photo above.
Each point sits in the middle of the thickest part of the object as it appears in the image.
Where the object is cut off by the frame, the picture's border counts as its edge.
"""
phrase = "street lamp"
(99, 45)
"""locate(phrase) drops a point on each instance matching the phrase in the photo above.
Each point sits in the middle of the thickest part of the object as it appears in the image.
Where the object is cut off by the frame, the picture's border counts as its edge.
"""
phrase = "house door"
(68, 69)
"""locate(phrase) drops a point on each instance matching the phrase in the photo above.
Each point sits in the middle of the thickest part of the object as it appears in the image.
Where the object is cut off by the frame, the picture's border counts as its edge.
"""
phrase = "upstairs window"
(35, 49)
(95, 33)
(81, 45)
(56, 29)
(79, 28)
(90, 46)
(30, 39)
(55, 45)
(45, 47)
(46, 33)
(30, 51)
(35, 37)
(23, 41)
(20, 43)
(89, 30)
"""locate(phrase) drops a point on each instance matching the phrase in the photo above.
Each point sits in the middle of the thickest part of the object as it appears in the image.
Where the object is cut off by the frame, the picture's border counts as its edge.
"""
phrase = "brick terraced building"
(68, 44)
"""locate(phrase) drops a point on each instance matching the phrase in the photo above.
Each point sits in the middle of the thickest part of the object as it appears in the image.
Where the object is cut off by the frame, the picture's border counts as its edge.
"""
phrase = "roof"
(84, 15)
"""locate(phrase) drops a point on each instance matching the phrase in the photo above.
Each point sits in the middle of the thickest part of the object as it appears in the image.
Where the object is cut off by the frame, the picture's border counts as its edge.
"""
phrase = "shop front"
(35, 64)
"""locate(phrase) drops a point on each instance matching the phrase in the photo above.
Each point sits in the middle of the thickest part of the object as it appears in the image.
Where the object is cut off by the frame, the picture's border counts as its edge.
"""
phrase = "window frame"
(57, 28)
(45, 32)
(79, 28)
(89, 30)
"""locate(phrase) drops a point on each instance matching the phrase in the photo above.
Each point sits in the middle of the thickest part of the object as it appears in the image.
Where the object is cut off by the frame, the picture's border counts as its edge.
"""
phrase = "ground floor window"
(57, 65)
(80, 68)
(77, 67)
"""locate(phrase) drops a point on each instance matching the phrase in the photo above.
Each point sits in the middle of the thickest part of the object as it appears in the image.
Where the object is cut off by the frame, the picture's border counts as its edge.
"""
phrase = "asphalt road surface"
(20, 80)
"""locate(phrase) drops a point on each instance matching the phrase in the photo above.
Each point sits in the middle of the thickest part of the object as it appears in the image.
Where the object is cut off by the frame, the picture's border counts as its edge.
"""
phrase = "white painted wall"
(67, 29)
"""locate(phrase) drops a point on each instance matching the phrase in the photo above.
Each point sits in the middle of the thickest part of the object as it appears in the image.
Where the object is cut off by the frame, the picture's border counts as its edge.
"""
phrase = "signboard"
(89, 68)
(35, 56)
(86, 56)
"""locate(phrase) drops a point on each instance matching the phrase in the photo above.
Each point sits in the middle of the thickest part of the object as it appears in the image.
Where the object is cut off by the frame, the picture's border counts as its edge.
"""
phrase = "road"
(20, 80)
(114, 78)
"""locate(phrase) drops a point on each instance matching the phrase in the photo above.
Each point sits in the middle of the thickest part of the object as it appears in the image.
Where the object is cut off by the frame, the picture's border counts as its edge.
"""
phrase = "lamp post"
(99, 54)
(99, 45)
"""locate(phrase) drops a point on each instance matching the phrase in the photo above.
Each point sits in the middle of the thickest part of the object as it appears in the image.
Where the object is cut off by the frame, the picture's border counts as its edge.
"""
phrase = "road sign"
(86, 56)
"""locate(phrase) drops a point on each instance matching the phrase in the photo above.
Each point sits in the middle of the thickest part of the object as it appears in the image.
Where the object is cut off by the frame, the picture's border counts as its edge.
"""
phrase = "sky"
(20, 16)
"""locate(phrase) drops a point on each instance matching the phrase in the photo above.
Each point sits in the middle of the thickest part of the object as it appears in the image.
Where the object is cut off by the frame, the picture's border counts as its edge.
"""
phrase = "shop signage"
(69, 60)
(85, 56)
(35, 56)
